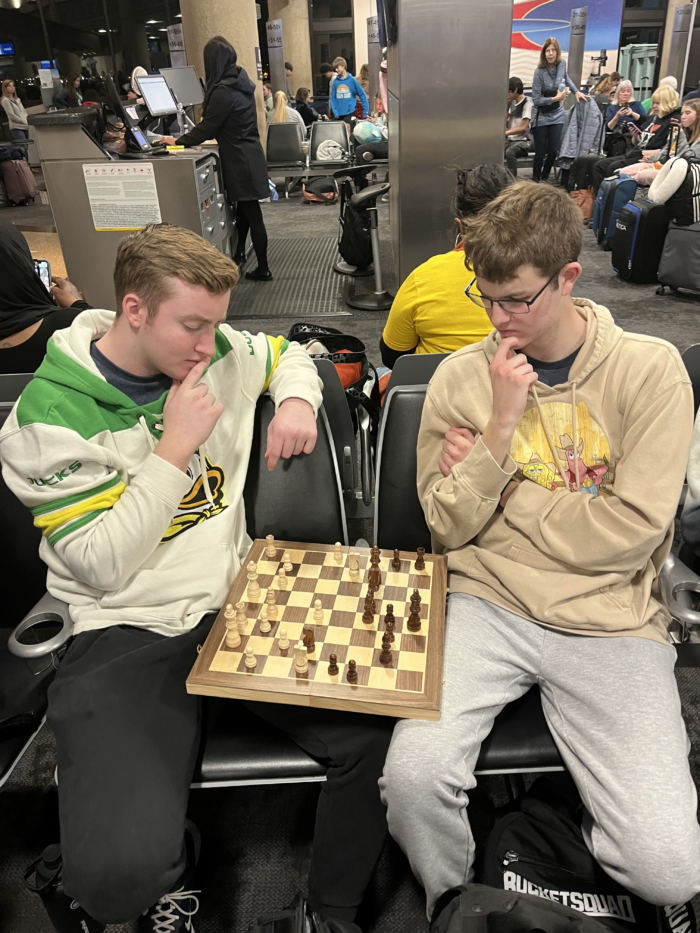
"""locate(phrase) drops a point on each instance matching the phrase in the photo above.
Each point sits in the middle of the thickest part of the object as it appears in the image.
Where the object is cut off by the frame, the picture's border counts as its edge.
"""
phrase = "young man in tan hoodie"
(551, 457)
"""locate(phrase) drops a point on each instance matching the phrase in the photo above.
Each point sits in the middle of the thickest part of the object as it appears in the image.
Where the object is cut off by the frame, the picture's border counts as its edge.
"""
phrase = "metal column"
(680, 42)
(374, 58)
(577, 43)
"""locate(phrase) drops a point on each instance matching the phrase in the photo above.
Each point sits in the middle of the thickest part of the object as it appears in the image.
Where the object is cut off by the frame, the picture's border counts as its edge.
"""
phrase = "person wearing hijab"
(230, 117)
(28, 313)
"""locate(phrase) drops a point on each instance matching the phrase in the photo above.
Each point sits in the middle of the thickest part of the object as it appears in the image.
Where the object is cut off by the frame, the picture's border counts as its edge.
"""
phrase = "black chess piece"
(386, 657)
(333, 665)
(374, 576)
(352, 672)
(420, 559)
(389, 620)
(308, 638)
(396, 562)
(368, 614)
(414, 621)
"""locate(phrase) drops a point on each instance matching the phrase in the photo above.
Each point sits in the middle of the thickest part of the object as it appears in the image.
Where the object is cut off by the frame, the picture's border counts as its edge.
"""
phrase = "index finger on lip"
(195, 374)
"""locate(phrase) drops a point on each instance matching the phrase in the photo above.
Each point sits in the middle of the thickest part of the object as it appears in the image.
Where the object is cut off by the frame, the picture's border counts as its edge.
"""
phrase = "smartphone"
(42, 267)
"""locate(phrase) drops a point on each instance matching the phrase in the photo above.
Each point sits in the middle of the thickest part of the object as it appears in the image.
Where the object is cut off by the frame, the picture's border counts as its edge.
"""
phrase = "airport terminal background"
(257, 839)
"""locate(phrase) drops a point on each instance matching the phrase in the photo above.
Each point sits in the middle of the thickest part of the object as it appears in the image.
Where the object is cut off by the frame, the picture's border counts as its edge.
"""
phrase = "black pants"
(547, 140)
(249, 217)
(378, 150)
(606, 167)
(513, 152)
(127, 736)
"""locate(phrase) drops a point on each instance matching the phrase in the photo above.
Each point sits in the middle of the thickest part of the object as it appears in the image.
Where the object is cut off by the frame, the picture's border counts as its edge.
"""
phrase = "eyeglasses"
(508, 305)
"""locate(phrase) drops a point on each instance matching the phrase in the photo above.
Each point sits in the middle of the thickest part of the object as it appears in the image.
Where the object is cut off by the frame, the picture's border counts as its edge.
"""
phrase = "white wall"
(361, 11)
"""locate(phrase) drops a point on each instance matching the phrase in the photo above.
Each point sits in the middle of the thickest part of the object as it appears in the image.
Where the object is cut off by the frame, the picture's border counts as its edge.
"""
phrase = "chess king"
(130, 447)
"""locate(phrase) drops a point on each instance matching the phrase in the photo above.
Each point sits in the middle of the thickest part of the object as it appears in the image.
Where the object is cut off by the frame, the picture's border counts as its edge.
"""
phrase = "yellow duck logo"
(195, 507)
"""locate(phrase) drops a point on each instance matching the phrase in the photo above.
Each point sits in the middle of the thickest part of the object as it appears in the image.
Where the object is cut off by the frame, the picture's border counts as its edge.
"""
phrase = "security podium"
(98, 196)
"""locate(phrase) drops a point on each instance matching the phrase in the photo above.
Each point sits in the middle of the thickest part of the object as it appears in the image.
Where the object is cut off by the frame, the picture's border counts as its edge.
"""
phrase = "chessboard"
(306, 624)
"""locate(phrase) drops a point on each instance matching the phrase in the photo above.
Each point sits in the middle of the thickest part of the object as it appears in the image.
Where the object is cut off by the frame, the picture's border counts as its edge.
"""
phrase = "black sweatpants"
(604, 168)
(127, 736)
(547, 141)
(249, 218)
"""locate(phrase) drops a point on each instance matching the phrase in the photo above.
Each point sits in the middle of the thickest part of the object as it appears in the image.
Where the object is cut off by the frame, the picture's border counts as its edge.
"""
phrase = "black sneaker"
(257, 276)
(172, 914)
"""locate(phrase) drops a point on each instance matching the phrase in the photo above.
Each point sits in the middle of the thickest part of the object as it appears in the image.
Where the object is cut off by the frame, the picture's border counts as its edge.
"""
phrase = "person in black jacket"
(304, 108)
(230, 117)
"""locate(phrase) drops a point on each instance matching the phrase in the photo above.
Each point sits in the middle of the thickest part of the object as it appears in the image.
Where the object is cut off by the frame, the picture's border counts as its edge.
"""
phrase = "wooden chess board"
(409, 687)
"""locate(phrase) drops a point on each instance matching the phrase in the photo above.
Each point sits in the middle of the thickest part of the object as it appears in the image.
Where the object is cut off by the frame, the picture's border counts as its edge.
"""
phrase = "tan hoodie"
(582, 539)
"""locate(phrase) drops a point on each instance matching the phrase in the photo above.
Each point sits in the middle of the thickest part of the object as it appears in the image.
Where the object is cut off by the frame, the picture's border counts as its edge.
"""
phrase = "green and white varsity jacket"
(127, 537)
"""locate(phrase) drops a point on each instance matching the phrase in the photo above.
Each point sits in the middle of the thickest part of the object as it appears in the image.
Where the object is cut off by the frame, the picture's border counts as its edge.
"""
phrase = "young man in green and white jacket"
(131, 447)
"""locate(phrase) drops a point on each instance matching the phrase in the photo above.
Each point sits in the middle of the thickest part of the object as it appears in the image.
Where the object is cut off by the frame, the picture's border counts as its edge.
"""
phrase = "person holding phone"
(624, 110)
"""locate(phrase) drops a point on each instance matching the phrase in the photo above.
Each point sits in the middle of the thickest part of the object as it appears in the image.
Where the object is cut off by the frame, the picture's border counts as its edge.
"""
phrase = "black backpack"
(539, 850)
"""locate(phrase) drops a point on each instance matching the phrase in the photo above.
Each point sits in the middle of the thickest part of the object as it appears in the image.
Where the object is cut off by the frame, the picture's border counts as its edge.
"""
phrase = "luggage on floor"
(680, 259)
(19, 181)
(581, 171)
(321, 190)
(639, 240)
(613, 194)
(585, 199)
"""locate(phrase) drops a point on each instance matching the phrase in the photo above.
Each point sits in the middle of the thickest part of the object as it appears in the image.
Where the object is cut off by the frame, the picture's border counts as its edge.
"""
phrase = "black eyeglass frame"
(499, 302)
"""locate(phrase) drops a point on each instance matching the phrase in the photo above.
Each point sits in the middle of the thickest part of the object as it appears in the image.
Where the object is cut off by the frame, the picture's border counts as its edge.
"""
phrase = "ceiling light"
(151, 22)
(178, 16)
(153, 37)
(162, 30)
(102, 30)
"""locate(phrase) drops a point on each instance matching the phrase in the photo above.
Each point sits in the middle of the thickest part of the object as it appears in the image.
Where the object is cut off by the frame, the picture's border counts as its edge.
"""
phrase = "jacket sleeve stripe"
(63, 503)
(50, 524)
(75, 525)
(275, 348)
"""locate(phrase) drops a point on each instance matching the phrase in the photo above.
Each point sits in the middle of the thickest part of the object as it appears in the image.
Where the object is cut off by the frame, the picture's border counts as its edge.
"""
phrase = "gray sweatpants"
(613, 709)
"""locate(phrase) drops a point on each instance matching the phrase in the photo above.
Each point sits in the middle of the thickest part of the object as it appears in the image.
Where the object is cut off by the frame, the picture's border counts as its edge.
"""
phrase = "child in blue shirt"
(344, 92)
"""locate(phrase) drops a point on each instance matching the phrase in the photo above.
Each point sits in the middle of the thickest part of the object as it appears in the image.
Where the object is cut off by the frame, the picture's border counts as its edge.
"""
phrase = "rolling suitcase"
(613, 194)
(19, 181)
(680, 260)
(640, 232)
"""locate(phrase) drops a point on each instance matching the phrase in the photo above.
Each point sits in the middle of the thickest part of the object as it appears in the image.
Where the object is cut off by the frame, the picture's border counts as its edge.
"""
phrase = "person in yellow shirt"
(431, 313)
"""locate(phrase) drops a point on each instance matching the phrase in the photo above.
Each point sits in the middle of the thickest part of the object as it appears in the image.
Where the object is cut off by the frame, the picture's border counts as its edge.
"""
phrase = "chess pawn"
(281, 579)
(333, 669)
(271, 603)
(352, 672)
(270, 550)
(386, 656)
(354, 562)
(301, 663)
(396, 562)
(338, 553)
(233, 638)
(241, 618)
(265, 626)
(420, 559)
(286, 562)
(253, 585)
(368, 614)
(250, 659)
(283, 642)
(318, 611)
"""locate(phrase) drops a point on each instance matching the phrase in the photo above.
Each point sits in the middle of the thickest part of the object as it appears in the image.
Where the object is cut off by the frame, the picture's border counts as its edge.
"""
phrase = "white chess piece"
(354, 562)
(283, 642)
(233, 637)
(253, 585)
(265, 626)
(281, 579)
(338, 553)
(301, 663)
(271, 603)
(286, 562)
(241, 618)
(250, 659)
(318, 611)
(271, 550)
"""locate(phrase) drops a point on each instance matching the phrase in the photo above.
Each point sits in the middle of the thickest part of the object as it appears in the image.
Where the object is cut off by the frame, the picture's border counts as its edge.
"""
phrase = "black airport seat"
(338, 133)
(415, 369)
(691, 359)
(284, 147)
(337, 410)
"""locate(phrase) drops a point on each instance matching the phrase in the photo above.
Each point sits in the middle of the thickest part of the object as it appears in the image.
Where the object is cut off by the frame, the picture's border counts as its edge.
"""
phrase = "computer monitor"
(184, 84)
(156, 95)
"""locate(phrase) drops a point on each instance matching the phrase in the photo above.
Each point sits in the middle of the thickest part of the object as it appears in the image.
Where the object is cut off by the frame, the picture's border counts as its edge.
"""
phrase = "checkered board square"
(409, 686)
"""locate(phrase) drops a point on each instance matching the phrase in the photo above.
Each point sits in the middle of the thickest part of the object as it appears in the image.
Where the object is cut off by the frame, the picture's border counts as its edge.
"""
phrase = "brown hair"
(339, 61)
(528, 224)
(605, 86)
(694, 131)
(302, 95)
(147, 258)
(70, 85)
(5, 85)
(667, 99)
(543, 63)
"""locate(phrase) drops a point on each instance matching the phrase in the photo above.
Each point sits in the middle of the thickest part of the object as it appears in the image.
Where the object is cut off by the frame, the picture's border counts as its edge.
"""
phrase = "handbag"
(584, 199)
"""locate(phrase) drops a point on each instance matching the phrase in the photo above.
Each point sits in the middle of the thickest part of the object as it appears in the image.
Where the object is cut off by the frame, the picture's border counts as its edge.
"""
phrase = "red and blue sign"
(536, 20)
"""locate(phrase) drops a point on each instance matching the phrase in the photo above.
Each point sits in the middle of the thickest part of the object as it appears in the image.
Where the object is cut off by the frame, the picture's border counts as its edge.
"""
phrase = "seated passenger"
(283, 113)
(70, 95)
(604, 91)
(690, 518)
(431, 313)
(304, 108)
(624, 110)
(672, 82)
(686, 143)
(131, 447)
(518, 137)
(533, 460)
(28, 315)
(651, 137)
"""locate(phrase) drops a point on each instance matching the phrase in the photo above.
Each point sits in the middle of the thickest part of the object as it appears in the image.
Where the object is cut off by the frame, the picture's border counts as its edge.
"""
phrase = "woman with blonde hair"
(283, 113)
(684, 143)
(14, 108)
(550, 87)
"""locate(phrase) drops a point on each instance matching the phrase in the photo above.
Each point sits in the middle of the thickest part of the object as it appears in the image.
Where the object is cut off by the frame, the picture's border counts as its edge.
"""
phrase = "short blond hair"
(527, 224)
(667, 99)
(147, 258)
(339, 61)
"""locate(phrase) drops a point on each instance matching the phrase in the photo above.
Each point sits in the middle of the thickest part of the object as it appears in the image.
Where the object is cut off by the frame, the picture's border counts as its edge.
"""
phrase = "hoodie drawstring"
(549, 439)
(149, 436)
(575, 424)
(202, 459)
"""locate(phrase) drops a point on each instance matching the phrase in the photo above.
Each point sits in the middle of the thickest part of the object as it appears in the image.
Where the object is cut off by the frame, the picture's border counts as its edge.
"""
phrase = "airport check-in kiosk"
(97, 197)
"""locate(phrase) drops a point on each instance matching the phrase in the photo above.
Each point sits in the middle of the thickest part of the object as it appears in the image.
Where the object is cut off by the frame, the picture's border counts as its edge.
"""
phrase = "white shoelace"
(170, 910)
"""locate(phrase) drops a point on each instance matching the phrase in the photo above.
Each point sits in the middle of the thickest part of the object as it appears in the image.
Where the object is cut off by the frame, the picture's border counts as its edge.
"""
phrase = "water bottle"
(44, 877)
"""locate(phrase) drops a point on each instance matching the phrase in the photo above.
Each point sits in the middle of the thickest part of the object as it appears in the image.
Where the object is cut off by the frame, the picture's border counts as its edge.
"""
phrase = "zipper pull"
(509, 857)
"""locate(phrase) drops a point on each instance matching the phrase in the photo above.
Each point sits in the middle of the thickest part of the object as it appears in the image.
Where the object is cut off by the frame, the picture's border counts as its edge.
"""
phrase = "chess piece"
(386, 657)
(374, 576)
(333, 665)
(415, 599)
(338, 553)
(414, 620)
(241, 618)
(281, 579)
(229, 612)
(286, 562)
(265, 626)
(396, 562)
(368, 614)
(301, 664)
(271, 550)
(354, 562)
(374, 553)
(390, 621)
(318, 610)
(271, 601)
(420, 559)
(250, 659)
(283, 642)
(352, 672)
(253, 585)
(233, 638)
(308, 637)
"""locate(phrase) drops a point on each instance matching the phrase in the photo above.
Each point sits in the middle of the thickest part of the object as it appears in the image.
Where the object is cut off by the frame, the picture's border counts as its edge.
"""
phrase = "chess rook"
(253, 585)
(270, 550)
(420, 559)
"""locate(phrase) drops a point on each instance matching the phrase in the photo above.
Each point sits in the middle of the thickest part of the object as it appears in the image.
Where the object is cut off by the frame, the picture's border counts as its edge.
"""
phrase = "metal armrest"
(677, 582)
(365, 454)
(48, 609)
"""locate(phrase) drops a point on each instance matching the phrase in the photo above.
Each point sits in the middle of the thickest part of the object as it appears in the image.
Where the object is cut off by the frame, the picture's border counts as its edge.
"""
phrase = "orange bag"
(585, 199)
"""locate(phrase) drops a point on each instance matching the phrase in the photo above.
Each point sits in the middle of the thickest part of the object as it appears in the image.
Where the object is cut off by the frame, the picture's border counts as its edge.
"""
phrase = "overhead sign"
(7, 48)
(122, 197)
(45, 78)
(372, 29)
(258, 64)
(274, 34)
(176, 46)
